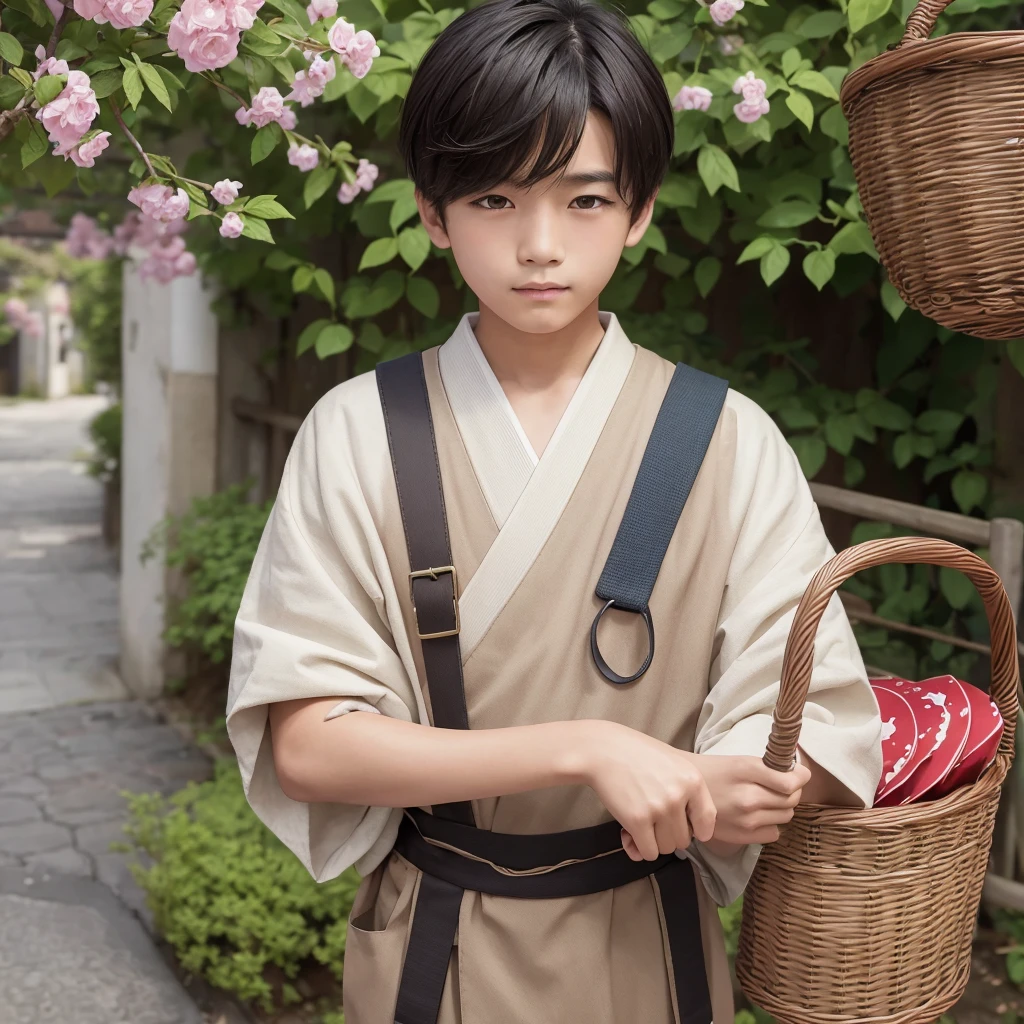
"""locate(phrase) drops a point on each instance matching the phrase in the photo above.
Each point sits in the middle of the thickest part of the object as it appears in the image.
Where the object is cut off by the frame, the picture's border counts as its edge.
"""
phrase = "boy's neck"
(527, 362)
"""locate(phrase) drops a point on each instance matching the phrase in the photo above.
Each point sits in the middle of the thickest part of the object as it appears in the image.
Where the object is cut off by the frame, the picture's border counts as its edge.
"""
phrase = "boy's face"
(569, 234)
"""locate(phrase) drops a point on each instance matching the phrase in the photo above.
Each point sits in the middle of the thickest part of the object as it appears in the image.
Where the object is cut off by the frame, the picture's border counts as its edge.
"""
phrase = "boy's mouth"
(541, 290)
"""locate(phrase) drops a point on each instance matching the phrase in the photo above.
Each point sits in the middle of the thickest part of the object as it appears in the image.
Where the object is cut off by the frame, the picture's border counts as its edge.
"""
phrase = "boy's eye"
(586, 202)
(483, 202)
(592, 202)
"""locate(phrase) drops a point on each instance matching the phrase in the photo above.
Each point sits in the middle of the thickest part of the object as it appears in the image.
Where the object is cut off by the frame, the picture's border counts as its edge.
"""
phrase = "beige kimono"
(326, 612)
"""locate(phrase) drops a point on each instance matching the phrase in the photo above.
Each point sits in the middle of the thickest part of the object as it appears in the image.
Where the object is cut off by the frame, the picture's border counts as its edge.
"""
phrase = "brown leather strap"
(433, 580)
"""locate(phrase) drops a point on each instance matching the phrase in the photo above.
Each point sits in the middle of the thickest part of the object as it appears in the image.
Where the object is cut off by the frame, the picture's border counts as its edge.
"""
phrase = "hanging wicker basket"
(858, 916)
(937, 144)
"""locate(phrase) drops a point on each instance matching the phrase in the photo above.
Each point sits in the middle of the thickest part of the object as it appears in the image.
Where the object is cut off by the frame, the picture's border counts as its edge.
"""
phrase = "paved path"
(72, 948)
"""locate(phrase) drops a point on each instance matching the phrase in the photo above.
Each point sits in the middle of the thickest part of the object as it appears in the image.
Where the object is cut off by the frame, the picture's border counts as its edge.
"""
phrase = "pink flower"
(48, 65)
(203, 34)
(750, 112)
(267, 106)
(55, 7)
(347, 192)
(692, 97)
(243, 116)
(85, 240)
(124, 14)
(242, 13)
(84, 155)
(226, 191)
(322, 71)
(91, 10)
(366, 174)
(232, 225)
(310, 84)
(752, 88)
(287, 120)
(160, 202)
(357, 49)
(202, 16)
(68, 117)
(166, 260)
(15, 310)
(321, 9)
(722, 11)
(305, 157)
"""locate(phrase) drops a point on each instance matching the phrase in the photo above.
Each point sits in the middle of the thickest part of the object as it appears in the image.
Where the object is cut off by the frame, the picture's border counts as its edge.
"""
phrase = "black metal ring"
(606, 670)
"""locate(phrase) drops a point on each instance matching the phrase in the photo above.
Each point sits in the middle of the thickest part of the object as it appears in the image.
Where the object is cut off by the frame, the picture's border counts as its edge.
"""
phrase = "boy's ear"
(432, 221)
(636, 232)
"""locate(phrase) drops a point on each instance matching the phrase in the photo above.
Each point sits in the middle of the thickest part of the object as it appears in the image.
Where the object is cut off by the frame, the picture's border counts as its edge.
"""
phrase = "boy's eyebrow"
(588, 178)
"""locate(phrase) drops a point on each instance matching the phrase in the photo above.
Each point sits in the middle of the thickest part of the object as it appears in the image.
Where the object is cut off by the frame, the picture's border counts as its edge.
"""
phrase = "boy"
(584, 823)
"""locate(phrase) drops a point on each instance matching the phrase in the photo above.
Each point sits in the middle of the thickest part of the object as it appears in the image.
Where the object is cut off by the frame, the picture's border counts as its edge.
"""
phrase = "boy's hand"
(657, 793)
(752, 800)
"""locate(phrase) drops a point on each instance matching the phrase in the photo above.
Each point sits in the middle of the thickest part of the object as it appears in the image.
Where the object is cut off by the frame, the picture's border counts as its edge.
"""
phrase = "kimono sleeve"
(780, 545)
(313, 622)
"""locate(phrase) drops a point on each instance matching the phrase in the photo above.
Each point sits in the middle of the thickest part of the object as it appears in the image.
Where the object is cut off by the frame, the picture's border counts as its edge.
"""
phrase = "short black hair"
(511, 78)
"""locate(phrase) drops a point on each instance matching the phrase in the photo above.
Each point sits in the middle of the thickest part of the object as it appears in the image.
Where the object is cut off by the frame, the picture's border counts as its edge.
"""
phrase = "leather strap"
(433, 580)
(675, 451)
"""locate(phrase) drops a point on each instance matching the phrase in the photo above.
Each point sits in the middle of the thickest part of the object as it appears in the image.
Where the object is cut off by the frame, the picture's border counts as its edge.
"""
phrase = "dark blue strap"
(678, 443)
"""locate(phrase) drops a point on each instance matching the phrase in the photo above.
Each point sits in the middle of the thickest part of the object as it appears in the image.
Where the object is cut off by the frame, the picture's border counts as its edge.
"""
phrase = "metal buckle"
(433, 574)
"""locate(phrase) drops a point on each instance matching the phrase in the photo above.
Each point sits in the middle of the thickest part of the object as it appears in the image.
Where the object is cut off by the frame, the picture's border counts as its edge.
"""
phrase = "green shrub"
(105, 431)
(214, 544)
(235, 904)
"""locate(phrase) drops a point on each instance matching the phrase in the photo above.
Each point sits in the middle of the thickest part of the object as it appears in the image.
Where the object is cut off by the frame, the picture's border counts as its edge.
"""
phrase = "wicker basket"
(937, 143)
(868, 915)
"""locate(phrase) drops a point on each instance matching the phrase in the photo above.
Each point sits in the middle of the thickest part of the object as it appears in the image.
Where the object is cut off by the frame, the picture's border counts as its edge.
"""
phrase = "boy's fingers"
(785, 783)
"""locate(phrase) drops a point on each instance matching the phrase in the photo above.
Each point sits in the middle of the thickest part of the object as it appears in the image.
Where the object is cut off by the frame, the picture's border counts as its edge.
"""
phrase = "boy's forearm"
(378, 761)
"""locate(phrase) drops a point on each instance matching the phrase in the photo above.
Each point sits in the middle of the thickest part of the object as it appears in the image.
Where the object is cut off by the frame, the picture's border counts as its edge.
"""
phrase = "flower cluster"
(68, 117)
(160, 202)
(121, 14)
(267, 105)
(48, 65)
(205, 33)
(321, 9)
(753, 105)
(86, 241)
(723, 11)
(305, 157)
(692, 97)
(310, 84)
(357, 49)
(165, 256)
(366, 175)
(18, 315)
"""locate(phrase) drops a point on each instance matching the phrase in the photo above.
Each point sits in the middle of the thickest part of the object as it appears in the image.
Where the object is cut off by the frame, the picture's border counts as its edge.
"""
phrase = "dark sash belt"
(589, 860)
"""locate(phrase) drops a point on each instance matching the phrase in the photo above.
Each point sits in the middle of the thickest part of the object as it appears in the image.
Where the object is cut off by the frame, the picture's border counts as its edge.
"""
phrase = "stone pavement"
(72, 948)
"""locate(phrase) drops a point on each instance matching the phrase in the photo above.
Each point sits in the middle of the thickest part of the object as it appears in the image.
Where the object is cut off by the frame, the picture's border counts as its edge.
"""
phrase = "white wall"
(169, 348)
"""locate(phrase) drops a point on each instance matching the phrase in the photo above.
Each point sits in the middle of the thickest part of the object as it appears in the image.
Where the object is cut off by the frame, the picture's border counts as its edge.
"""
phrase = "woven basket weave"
(868, 915)
(937, 144)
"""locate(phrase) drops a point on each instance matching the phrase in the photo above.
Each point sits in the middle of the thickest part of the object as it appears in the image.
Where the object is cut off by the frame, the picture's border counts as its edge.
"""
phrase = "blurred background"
(159, 348)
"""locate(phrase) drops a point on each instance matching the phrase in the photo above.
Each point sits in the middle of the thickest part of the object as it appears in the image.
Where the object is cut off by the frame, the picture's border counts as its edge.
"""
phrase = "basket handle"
(799, 657)
(921, 22)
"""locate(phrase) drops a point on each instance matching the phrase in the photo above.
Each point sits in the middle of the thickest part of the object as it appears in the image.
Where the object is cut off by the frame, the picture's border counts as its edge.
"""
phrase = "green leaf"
(334, 338)
(22, 76)
(307, 339)
(155, 84)
(672, 264)
(903, 450)
(716, 169)
(280, 260)
(969, 489)
(802, 108)
(325, 283)
(265, 141)
(35, 9)
(10, 49)
(48, 88)
(774, 263)
(380, 250)
(864, 12)
(257, 229)
(819, 266)
(791, 60)
(268, 208)
(11, 93)
(106, 83)
(833, 124)
(302, 278)
(851, 239)
(678, 190)
(132, 82)
(891, 301)
(391, 191)
(34, 146)
(757, 248)
(404, 208)
(790, 214)
(1015, 353)
(821, 25)
(939, 421)
(853, 471)
(839, 433)
(815, 81)
(423, 296)
(318, 181)
(811, 451)
(413, 246)
(706, 274)
(881, 412)
(263, 40)
(169, 79)
(956, 588)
